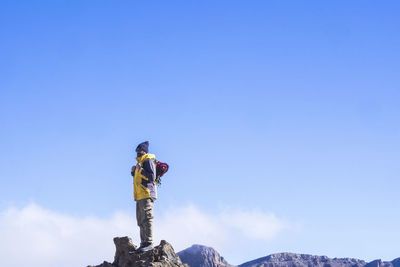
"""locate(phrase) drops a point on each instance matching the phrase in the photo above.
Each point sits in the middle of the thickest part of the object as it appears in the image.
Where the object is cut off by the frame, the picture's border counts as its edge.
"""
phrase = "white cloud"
(34, 236)
(254, 224)
(188, 225)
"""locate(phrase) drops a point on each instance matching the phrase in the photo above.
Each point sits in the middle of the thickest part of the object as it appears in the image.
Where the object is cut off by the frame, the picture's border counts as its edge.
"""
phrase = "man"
(145, 193)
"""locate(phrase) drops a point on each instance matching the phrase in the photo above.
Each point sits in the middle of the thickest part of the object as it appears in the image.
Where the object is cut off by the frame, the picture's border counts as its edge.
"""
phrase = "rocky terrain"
(202, 256)
(162, 255)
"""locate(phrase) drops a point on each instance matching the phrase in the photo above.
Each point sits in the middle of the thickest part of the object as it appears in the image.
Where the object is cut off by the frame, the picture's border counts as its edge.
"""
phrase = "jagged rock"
(202, 256)
(162, 255)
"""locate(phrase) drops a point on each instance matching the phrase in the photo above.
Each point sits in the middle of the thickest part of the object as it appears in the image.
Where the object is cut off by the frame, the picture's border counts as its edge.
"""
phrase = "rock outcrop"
(162, 255)
(202, 256)
(305, 260)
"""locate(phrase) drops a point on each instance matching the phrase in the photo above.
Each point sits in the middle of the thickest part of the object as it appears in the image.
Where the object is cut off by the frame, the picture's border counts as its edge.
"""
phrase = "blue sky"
(279, 108)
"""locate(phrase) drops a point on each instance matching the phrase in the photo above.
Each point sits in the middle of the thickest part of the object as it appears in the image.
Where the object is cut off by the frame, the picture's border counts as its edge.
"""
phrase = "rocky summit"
(162, 255)
(202, 256)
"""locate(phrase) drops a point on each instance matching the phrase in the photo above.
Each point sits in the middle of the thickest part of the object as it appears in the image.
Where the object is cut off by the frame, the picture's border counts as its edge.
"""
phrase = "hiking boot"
(145, 247)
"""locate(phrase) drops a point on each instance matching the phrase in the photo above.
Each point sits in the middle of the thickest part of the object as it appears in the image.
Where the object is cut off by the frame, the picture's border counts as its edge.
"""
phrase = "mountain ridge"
(286, 259)
(203, 256)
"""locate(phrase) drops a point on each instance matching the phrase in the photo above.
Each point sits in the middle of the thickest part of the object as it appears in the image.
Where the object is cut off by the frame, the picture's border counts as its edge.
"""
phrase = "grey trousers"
(144, 217)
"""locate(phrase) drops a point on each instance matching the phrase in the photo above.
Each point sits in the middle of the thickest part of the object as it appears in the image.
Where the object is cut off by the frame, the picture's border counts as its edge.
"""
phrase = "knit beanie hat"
(143, 147)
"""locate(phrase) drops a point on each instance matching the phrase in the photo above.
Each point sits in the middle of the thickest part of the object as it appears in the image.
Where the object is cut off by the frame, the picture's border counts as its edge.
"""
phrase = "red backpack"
(161, 169)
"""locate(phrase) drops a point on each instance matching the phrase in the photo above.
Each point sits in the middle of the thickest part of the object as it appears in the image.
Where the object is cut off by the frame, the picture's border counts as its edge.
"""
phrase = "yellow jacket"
(144, 178)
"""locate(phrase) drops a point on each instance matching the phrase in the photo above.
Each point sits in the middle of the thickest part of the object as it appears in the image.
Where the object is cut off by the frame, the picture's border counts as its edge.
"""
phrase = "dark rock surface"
(162, 255)
(305, 260)
(202, 256)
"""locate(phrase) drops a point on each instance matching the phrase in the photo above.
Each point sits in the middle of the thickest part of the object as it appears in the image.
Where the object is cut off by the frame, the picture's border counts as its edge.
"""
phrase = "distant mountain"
(302, 260)
(305, 260)
(202, 256)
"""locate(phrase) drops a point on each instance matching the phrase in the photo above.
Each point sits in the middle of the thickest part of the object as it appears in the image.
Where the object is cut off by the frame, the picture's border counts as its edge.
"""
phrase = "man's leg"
(139, 219)
(144, 216)
(148, 221)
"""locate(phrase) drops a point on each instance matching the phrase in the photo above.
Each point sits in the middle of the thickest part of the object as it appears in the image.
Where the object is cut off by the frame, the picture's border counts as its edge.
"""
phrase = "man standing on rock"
(145, 193)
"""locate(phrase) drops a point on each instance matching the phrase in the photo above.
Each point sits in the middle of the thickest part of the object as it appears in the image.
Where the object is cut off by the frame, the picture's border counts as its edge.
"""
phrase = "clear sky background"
(280, 121)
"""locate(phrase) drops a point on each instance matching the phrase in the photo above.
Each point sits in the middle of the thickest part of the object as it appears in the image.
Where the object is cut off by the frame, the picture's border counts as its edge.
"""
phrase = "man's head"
(142, 148)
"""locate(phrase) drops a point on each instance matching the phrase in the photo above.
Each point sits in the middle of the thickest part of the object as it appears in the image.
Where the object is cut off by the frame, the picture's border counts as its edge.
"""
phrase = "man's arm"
(133, 170)
(149, 170)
